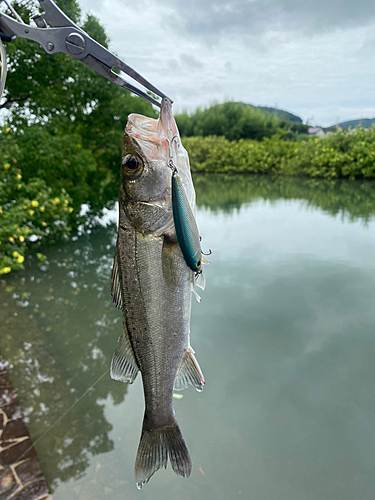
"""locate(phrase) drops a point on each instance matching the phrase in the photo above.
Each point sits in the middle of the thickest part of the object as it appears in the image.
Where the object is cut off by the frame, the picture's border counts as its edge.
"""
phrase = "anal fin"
(124, 367)
(189, 373)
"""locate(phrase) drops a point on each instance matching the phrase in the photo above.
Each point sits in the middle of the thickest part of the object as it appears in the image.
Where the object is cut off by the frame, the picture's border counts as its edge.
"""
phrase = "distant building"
(317, 131)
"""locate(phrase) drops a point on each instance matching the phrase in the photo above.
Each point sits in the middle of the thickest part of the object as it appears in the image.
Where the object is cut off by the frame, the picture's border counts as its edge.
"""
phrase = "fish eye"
(132, 165)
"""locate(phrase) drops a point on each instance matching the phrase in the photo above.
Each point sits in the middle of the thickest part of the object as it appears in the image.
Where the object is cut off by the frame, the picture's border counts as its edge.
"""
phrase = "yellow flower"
(19, 176)
(22, 239)
(6, 165)
(15, 254)
(31, 212)
(24, 207)
(20, 259)
(70, 210)
(42, 209)
(34, 203)
(57, 200)
(44, 223)
(7, 130)
(5, 270)
(11, 239)
(66, 202)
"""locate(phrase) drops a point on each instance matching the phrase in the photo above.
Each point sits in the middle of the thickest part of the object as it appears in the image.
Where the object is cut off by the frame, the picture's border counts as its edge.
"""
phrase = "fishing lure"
(186, 227)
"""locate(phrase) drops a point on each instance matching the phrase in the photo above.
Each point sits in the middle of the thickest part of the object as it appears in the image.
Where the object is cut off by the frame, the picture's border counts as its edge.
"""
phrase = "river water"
(285, 336)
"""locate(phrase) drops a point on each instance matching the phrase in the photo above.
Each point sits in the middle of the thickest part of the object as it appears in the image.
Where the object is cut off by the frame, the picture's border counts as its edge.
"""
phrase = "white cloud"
(315, 59)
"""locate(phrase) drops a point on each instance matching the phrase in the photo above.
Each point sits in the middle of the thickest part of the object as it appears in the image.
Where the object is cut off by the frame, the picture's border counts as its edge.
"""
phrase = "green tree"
(234, 121)
(57, 100)
(62, 124)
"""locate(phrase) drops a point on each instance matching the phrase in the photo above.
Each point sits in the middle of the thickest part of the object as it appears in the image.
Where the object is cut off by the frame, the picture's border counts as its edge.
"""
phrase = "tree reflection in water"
(58, 330)
(352, 199)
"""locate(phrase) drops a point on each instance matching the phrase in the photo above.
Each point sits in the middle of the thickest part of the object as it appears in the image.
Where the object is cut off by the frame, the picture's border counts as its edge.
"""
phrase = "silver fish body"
(152, 284)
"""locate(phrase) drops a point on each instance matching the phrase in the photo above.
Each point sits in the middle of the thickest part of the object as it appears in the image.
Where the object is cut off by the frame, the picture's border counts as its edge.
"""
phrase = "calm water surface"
(285, 335)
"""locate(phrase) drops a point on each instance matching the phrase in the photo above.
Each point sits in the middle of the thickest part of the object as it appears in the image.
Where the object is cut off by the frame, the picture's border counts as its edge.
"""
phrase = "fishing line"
(63, 415)
(3, 58)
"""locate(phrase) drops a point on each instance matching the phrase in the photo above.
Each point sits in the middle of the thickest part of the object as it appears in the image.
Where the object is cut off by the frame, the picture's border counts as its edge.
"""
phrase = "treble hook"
(209, 250)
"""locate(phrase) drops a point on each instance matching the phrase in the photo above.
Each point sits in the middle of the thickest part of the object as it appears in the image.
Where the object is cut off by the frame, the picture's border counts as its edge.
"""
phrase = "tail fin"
(154, 448)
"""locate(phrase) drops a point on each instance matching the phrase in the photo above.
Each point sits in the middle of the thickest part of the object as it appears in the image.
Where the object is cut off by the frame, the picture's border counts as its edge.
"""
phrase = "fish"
(152, 284)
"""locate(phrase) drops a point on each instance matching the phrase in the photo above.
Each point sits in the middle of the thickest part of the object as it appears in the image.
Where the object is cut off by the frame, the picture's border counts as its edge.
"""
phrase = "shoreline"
(21, 477)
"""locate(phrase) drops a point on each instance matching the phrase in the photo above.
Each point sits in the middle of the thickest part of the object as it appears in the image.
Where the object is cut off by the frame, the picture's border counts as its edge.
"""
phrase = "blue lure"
(185, 226)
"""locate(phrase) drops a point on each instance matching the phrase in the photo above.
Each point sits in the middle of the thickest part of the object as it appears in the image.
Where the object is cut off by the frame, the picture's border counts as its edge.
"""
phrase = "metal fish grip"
(55, 32)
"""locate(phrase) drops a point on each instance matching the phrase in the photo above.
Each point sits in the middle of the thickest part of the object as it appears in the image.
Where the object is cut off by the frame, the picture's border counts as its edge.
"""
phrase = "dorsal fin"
(115, 284)
(189, 373)
(124, 366)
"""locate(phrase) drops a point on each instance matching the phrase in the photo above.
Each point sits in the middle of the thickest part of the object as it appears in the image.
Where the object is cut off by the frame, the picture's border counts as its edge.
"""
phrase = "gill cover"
(185, 226)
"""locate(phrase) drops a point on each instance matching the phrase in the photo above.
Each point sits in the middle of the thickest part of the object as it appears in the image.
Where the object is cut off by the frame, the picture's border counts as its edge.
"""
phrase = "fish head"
(151, 150)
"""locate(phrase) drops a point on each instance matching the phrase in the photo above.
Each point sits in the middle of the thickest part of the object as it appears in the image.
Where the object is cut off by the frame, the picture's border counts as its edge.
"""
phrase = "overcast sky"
(313, 58)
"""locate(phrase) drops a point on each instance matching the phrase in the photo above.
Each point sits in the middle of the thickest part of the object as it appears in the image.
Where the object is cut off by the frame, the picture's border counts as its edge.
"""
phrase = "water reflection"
(352, 199)
(58, 330)
(284, 335)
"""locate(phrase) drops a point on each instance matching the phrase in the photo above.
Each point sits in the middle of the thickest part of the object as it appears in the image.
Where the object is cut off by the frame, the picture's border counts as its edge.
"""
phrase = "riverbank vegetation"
(31, 212)
(340, 155)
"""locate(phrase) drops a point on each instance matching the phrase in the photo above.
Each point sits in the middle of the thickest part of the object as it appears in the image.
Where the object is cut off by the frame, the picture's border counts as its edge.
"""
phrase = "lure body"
(185, 226)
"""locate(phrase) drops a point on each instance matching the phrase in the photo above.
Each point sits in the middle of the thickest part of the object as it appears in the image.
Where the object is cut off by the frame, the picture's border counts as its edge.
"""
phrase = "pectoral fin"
(189, 372)
(115, 284)
(124, 367)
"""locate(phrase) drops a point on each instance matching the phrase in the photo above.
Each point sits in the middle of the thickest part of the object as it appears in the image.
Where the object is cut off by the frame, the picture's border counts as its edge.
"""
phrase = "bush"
(342, 154)
(30, 212)
(217, 154)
